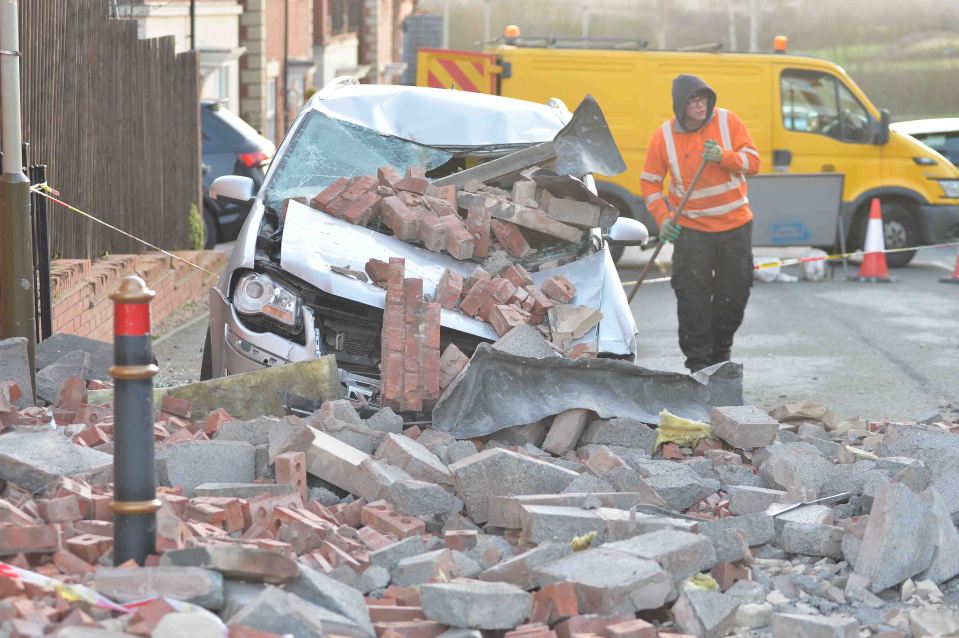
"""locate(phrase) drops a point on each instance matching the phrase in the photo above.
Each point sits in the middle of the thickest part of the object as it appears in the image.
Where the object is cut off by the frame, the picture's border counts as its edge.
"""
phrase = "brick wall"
(81, 289)
(253, 63)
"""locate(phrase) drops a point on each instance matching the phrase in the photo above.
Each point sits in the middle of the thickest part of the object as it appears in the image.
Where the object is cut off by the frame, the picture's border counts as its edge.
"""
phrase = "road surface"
(881, 351)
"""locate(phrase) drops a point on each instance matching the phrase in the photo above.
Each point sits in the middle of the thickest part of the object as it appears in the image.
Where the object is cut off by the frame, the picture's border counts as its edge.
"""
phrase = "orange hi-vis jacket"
(719, 201)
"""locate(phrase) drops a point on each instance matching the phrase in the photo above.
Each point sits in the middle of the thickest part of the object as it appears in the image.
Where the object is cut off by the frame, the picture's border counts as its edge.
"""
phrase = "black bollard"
(134, 484)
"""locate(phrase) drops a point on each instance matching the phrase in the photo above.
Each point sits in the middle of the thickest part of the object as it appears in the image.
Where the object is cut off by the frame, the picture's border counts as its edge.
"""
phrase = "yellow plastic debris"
(682, 432)
(579, 543)
(704, 582)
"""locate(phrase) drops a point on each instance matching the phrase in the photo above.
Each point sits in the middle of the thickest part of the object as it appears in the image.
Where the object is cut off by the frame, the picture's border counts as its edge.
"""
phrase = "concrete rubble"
(351, 522)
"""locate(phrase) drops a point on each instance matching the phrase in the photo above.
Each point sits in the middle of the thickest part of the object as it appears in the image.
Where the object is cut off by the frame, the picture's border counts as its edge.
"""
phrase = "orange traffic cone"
(955, 273)
(873, 267)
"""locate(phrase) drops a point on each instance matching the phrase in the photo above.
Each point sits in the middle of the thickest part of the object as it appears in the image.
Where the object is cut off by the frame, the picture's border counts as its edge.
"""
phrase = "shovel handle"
(675, 216)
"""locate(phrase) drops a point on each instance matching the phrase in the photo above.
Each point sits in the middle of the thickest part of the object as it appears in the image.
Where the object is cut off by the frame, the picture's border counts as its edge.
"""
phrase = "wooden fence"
(116, 120)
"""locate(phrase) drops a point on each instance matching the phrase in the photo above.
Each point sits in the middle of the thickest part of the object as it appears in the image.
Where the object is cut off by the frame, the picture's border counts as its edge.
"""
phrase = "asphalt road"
(881, 351)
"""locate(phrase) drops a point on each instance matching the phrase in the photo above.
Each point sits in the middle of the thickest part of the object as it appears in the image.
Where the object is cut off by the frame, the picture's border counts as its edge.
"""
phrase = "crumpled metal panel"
(498, 390)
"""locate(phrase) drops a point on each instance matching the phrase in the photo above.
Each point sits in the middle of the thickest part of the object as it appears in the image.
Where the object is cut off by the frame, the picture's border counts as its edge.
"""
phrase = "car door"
(824, 129)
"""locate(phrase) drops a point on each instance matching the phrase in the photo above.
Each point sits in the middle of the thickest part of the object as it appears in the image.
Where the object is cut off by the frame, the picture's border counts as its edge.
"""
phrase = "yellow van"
(806, 115)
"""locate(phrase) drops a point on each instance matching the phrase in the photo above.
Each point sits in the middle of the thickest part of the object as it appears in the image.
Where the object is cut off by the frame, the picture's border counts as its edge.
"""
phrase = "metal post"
(731, 26)
(193, 24)
(446, 24)
(41, 241)
(585, 27)
(487, 33)
(286, 56)
(134, 484)
(17, 302)
(753, 26)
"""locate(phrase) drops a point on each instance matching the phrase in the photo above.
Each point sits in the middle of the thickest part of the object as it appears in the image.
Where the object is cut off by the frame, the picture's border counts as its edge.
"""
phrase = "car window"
(818, 103)
(323, 149)
(951, 148)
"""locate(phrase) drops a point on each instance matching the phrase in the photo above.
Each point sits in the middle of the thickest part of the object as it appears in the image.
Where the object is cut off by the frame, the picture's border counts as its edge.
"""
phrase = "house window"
(355, 16)
(337, 16)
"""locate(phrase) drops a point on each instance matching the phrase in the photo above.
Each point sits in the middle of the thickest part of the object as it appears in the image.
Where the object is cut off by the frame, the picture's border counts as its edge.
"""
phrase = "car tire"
(206, 362)
(900, 230)
(209, 228)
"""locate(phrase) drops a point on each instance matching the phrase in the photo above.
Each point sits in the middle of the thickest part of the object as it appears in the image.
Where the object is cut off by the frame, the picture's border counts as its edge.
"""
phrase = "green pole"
(17, 279)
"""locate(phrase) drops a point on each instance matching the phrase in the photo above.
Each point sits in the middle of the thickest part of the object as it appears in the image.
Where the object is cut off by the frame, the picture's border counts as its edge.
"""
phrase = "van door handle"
(782, 157)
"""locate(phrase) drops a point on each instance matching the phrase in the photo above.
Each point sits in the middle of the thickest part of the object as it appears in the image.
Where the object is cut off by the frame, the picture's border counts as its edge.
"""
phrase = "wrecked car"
(294, 288)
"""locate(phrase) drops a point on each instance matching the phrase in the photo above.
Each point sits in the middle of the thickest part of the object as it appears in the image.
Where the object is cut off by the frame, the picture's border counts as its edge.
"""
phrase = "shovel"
(676, 213)
(585, 145)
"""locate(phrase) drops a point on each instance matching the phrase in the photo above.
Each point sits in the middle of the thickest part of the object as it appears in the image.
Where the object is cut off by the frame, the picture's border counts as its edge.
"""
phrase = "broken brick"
(476, 275)
(478, 296)
(362, 210)
(452, 363)
(504, 318)
(449, 290)
(510, 238)
(388, 176)
(321, 200)
(559, 289)
(517, 275)
(459, 243)
(404, 222)
(176, 407)
(381, 516)
(478, 225)
(378, 272)
(291, 470)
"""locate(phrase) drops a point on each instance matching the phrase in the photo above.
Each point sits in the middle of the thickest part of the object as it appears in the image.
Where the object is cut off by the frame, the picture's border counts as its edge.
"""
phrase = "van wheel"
(209, 230)
(206, 363)
(900, 230)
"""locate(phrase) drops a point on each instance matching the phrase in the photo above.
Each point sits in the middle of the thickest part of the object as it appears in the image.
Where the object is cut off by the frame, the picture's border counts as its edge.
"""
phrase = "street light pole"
(193, 24)
(17, 280)
(446, 24)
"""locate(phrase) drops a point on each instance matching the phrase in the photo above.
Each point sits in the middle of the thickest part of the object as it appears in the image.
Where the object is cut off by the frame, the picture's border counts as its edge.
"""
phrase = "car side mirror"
(882, 135)
(627, 231)
(232, 188)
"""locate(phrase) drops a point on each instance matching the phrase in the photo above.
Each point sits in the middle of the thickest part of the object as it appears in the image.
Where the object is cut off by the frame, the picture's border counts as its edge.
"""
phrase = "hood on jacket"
(684, 86)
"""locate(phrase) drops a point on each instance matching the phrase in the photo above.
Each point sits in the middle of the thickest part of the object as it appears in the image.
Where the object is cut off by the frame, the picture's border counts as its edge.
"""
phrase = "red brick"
(409, 629)
(727, 574)
(392, 375)
(638, 628)
(510, 238)
(69, 563)
(360, 186)
(460, 244)
(440, 206)
(60, 510)
(378, 272)
(72, 392)
(559, 288)
(460, 539)
(478, 225)
(10, 587)
(584, 350)
(410, 199)
(291, 470)
(477, 274)
(589, 624)
(395, 613)
(242, 631)
(505, 318)
(415, 180)
(434, 233)
(416, 170)
(148, 616)
(517, 275)
(449, 290)
(362, 210)
(91, 414)
(446, 193)
(400, 219)
(215, 420)
(478, 296)
(561, 598)
(532, 630)
(323, 199)
(177, 407)
(452, 363)
(372, 538)
(388, 176)
(89, 547)
(541, 303)
(13, 515)
(413, 295)
(381, 516)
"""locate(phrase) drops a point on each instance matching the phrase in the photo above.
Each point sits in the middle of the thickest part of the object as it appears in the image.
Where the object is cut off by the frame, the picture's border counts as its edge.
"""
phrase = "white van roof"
(924, 127)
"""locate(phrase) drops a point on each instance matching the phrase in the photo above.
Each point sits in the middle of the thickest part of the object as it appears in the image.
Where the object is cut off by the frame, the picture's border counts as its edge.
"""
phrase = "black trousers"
(712, 275)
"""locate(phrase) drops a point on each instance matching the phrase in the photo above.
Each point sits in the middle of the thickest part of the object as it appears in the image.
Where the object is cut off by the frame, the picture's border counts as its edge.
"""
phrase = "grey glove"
(712, 152)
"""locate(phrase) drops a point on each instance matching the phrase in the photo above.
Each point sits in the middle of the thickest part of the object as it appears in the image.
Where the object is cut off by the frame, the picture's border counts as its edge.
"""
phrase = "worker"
(712, 239)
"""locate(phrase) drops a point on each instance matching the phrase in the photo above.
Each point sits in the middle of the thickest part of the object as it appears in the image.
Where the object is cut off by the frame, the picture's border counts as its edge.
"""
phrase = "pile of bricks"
(333, 524)
(467, 224)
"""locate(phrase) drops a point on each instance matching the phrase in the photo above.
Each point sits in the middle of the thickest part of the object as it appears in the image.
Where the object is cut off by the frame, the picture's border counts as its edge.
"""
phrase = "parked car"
(940, 134)
(230, 147)
(279, 301)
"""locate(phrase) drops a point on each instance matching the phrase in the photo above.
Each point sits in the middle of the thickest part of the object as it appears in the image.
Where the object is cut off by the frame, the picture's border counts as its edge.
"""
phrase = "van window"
(818, 103)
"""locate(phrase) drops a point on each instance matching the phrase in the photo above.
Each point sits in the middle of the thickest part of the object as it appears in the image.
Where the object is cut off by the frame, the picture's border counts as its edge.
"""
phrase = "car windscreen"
(323, 149)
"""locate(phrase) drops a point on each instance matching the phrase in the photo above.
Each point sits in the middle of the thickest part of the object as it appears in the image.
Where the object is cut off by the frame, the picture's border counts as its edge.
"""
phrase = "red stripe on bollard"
(131, 319)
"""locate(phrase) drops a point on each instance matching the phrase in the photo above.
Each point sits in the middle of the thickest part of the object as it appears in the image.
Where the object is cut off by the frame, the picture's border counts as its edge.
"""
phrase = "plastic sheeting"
(498, 390)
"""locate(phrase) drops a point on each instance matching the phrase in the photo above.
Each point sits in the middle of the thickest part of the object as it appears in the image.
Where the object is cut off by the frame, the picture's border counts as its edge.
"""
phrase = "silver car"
(283, 297)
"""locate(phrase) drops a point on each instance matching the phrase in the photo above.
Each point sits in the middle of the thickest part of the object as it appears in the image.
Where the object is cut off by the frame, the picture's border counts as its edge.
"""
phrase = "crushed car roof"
(441, 117)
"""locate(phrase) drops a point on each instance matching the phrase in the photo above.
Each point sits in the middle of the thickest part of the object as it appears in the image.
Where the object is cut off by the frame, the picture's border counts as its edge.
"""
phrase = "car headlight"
(257, 293)
(950, 187)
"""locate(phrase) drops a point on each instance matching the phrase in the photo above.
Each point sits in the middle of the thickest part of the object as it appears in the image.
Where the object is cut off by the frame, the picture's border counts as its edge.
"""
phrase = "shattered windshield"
(323, 149)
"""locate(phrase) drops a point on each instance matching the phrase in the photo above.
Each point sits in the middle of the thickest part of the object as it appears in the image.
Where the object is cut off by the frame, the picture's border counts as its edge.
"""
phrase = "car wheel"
(206, 363)
(209, 228)
(900, 230)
